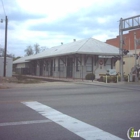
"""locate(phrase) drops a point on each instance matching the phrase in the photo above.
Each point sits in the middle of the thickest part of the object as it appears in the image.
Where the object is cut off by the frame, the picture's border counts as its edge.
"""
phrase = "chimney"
(61, 43)
(74, 40)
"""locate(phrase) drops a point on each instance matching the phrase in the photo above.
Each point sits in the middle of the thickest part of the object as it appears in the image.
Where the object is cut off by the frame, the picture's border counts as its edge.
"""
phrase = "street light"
(5, 50)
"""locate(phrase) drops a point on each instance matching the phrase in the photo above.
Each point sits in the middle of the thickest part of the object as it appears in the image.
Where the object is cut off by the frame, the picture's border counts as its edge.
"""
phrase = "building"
(128, 40)
(9, 62)
(128, 44)
(72, 60)
(21, 65)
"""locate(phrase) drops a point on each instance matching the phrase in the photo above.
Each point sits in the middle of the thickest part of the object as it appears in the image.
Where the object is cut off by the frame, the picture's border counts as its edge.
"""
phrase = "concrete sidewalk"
(82, 81)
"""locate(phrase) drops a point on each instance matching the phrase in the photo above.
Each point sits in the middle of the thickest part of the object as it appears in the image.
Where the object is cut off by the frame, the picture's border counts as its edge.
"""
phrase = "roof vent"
(74, 40)
(61, 43)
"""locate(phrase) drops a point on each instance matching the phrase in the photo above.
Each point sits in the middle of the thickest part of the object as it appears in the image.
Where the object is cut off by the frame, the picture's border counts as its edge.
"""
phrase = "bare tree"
(1, 52)
(36, 48)
(8, 54)
(29, 51)
(43, 48)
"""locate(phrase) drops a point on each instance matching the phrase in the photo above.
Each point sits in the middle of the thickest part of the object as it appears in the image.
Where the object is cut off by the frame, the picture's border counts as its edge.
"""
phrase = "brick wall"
(128, 40)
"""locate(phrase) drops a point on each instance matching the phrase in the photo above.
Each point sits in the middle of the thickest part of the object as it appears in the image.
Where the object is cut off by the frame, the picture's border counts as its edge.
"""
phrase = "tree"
(36, 48)
(15, 58)
(29, 51)
(8, 54)
(1, 52)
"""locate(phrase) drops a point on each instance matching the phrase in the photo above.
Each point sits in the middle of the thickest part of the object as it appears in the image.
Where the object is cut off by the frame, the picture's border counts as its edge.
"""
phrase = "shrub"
(103, 79)
(114, 79)
(119, 78)
(90, 76)
(125, 78)
(109, 79)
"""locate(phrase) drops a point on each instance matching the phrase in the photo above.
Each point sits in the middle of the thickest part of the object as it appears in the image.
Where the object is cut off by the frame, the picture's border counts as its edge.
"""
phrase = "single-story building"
(72, 60)
(21, 65)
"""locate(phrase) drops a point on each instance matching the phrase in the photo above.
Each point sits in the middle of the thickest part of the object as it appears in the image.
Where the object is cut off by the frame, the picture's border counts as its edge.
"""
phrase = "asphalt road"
(111, 108)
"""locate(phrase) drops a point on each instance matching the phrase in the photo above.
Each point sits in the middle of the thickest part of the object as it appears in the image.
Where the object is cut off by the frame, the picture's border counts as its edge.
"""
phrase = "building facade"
(72, 66)
(128, 44)
(128, 40)
(73, 60)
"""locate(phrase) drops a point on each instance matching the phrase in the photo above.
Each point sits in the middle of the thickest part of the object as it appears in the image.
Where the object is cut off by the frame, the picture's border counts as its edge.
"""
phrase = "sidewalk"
(80, 81)
(50, 81)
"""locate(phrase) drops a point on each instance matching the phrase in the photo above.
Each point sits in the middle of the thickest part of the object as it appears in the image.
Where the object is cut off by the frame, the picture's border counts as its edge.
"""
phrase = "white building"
(9, 62)
(72, 60)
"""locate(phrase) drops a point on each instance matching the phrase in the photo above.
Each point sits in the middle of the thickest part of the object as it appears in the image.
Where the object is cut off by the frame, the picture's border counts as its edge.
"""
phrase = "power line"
(3, 7)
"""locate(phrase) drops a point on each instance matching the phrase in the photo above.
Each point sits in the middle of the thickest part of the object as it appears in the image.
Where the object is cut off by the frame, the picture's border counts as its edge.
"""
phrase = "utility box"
(9, 64)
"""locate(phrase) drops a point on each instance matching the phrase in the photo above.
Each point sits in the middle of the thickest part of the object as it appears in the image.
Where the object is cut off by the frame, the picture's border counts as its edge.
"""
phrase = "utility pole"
(125, 25)
(5, 50)
(121, 48)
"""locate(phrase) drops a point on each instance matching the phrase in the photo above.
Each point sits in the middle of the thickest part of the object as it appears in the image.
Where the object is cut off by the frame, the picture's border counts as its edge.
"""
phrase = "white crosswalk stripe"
(82, 129)
(24, 122)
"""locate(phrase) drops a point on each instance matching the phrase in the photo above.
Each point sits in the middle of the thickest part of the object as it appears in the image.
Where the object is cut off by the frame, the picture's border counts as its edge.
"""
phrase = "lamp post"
(5, 49)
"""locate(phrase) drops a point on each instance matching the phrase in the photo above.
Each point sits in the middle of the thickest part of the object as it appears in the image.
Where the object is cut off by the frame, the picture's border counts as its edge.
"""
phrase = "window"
(89, 65)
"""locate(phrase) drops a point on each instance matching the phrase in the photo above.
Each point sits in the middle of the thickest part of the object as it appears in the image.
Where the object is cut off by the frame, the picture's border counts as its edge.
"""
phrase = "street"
(69, 111)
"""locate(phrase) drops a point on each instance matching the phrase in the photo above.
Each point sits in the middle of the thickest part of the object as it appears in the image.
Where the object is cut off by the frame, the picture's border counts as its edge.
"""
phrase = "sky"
(50, 22)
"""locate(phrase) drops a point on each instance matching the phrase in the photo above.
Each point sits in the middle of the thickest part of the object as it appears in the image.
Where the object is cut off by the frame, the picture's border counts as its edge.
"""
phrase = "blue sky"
(49, 23)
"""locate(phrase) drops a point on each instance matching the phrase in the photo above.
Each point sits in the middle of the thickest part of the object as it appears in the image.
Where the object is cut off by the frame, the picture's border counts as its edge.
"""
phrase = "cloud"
(49, 23)
(77, 24)
(21, 16)
(103, 17)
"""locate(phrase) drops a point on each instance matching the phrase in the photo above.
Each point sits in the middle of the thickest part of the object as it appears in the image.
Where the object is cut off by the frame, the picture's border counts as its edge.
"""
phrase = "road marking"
(76, 126)
(14, 101)
(24, 122)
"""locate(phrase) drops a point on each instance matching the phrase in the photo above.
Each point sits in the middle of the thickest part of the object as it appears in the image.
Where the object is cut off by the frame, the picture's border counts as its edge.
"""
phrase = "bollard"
(117, 78)
(106, 78)
(128, 78)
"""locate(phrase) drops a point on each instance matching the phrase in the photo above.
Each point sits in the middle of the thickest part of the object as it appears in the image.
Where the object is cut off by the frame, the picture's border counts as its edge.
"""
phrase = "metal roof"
(85, 46)
(22, 60)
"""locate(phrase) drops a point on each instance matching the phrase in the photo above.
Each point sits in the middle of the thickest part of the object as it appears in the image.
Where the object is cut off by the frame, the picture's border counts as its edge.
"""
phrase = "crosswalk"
(82, 129)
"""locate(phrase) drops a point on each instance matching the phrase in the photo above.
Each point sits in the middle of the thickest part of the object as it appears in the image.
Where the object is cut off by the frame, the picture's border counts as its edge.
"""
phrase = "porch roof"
(22, 59)
(85, 46)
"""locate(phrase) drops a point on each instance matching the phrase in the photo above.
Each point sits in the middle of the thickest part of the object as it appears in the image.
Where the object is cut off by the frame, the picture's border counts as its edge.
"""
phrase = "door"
(69, 67)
